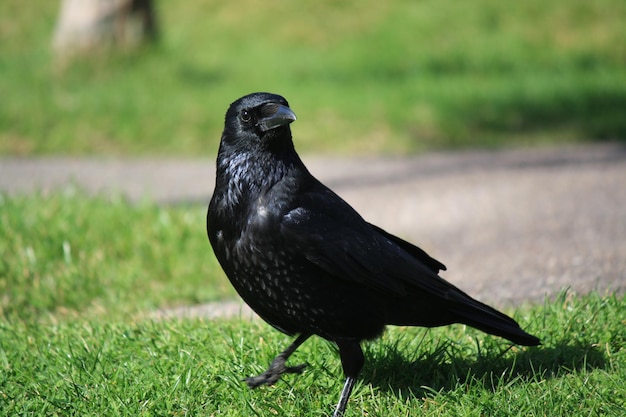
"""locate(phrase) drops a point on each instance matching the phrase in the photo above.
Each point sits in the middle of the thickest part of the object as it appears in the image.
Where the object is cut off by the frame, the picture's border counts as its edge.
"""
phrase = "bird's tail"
(490, 320)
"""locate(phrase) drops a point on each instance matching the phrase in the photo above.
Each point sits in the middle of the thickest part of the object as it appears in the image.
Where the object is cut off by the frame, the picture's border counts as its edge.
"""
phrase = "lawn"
(363, 77)
(79, 277)
(70, 255)
(139, 367)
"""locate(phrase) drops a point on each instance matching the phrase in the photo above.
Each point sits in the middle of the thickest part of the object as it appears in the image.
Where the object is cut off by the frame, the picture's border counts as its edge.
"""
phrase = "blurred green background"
(366, 77)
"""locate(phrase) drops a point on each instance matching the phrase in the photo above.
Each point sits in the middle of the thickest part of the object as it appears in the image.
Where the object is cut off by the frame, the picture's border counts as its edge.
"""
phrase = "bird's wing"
(413, 250)
(331, 235)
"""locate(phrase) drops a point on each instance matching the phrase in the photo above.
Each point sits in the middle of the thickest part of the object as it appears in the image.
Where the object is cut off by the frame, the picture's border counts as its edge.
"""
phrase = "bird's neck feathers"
(246, 171)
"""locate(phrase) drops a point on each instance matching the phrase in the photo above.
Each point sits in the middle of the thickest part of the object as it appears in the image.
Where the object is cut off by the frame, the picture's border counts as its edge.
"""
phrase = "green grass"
(69, 254)
(79, 276)
(363, 77)
(194, 367)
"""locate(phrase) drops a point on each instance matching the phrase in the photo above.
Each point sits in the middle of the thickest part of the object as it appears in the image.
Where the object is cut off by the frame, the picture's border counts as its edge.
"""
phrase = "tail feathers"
(489, 320)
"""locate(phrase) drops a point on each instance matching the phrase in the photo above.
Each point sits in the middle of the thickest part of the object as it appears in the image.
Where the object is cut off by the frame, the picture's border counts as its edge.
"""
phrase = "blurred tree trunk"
(84, 25)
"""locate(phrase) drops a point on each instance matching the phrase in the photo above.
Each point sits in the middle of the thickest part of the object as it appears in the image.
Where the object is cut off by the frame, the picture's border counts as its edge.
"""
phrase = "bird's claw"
(276, 369)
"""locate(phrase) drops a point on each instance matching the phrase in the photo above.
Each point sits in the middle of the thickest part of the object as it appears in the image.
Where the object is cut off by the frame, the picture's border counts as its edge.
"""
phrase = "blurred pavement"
(511, 226)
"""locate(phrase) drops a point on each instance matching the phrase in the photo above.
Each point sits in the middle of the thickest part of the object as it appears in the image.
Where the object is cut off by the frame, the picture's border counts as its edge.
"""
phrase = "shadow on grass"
(443, 370)
(594, 114)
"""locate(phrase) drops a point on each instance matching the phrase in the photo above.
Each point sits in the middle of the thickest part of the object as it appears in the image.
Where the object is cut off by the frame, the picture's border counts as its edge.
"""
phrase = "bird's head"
(258, 120)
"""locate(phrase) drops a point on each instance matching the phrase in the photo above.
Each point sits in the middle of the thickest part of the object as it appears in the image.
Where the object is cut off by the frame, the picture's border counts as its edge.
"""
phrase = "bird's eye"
(246, 116)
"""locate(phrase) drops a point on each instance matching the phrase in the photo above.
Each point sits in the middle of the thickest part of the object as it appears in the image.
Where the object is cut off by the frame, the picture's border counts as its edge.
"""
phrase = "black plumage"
(307, 262)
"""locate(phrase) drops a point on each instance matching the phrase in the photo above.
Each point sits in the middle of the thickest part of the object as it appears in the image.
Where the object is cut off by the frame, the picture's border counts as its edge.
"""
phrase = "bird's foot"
(274, 372)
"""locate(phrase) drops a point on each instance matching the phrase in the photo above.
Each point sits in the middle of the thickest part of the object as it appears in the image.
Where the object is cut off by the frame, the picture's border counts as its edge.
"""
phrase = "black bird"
(308, 263)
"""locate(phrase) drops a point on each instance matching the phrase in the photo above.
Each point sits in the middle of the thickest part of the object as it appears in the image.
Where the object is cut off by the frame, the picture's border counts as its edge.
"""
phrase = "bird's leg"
(343, 399)
(352, 361)
(278, 367)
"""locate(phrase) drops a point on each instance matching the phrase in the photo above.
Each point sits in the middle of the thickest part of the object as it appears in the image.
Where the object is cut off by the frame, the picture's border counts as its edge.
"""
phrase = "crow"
(307, 263)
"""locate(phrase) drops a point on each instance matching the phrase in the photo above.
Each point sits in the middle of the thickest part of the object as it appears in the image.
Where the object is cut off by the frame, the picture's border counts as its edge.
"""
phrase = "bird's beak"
(275, 115)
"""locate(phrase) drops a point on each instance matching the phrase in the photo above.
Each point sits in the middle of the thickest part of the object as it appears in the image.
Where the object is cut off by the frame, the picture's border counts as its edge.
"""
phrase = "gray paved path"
(511, 226)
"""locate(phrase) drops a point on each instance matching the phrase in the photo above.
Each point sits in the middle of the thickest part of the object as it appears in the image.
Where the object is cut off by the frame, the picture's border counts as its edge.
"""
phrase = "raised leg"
(352, 361)
(278, 366)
